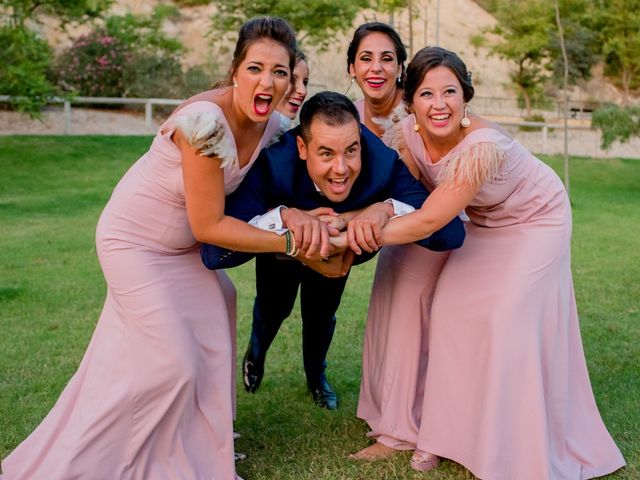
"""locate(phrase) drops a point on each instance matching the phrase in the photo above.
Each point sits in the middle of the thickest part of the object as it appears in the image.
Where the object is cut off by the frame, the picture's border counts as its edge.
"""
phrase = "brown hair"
(432, 57)
(364, 30)
(273, 28)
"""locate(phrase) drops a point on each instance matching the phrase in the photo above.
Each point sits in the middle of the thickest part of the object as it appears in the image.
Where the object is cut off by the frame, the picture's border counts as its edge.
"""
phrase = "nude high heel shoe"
(424, 461)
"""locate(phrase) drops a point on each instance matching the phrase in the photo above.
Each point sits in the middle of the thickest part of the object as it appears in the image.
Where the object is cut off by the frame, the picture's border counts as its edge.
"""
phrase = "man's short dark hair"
(334, 108)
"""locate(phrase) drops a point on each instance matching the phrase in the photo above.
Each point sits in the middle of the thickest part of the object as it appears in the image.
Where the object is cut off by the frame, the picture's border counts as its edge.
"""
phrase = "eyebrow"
(277, 65)
(446, 86)
(383, 52)
(328, 149)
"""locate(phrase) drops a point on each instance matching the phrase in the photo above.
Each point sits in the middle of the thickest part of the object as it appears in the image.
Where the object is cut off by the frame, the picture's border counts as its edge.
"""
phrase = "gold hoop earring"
(416, 125)
(465, 122)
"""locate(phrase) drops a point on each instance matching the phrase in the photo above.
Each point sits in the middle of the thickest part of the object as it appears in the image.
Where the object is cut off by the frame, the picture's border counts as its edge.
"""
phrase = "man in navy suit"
(330, 160)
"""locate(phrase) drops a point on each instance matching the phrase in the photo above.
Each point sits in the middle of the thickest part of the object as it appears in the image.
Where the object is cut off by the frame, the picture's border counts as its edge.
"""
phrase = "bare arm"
(444, 203)
(204, 196)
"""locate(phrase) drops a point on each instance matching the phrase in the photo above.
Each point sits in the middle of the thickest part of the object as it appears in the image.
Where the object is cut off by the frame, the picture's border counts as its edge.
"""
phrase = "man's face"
(333, 157)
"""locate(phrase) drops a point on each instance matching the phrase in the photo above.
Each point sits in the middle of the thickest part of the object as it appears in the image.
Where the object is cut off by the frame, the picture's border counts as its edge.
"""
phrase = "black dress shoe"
(323, 394)
(252, 371)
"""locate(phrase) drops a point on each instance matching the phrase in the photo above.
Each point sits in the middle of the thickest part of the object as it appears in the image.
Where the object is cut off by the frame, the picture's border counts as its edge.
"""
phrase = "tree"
(581, 44)
(618, 24)
(524, 26)
(565, 91)
(316, 21)
(25, 59)
(19, 11)
(393, 6)
(616, 123)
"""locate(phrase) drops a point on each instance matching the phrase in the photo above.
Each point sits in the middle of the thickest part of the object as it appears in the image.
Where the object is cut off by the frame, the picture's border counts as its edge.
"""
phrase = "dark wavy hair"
(364, 30)
(273, 28)
(432, 57)
(334, 108)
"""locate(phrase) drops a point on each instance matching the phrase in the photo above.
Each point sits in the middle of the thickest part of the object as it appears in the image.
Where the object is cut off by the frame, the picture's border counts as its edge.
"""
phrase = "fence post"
(148, 113)
(545, 134)
(67, 117)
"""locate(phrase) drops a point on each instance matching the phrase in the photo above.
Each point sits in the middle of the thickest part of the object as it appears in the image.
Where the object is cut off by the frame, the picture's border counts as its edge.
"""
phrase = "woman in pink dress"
(152, 398)
(290, 105)
(507, 391)
(392, 383)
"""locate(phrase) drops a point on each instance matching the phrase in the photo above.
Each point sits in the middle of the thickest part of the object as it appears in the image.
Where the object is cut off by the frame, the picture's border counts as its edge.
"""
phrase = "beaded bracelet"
(291, 249)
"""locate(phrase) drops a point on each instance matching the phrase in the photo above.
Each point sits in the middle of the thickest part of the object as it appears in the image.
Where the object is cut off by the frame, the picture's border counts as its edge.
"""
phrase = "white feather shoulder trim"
(387, 123)
(394, 139)
(284, 125)
(477, 164)
(207, 133)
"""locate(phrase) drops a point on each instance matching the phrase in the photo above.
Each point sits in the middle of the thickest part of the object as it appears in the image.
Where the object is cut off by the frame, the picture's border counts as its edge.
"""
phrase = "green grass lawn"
(52, 190)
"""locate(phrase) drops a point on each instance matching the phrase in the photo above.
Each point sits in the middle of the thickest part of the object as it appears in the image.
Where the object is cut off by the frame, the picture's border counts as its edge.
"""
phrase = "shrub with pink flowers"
(130, 56)
(94, 65)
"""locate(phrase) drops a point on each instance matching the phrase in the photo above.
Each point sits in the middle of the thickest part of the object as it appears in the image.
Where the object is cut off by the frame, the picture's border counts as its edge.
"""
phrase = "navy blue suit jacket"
(280, 177)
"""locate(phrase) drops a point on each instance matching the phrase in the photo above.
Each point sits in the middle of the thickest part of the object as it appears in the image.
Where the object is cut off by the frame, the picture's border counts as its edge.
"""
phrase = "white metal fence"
(147, 102)
(544, 137)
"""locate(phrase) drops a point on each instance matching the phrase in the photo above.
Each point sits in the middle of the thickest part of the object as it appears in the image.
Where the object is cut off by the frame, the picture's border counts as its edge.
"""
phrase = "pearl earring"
(465, 122)
(416, 125)
(353, 79)
(235, 84)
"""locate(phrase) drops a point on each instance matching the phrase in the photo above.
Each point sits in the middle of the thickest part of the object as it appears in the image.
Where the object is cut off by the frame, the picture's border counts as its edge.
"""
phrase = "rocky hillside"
(459, 22)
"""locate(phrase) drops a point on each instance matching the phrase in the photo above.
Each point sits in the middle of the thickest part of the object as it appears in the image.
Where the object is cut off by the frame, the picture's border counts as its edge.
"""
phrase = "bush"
(94, 65)
(129, 57)
(536, 117)
(25, 60)
(616, 123)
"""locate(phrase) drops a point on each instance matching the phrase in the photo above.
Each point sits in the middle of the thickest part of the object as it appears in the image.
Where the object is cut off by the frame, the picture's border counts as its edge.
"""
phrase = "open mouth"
(440, 119)
(375, 82)
(295, 104)
(338, 185)
(261, 103)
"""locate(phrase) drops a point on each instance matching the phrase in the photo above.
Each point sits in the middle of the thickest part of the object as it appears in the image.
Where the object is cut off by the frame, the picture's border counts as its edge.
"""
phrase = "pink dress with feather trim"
(507, 392)
(152, 398)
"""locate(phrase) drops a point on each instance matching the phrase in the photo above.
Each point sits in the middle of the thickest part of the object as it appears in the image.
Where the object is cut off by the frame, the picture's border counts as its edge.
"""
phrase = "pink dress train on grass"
(152, 398)
(507, 391)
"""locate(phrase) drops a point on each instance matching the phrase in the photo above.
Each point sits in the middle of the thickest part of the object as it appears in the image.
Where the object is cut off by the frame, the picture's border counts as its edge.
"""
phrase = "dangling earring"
(465, 122)
(416, 125)
(399, 80)
(353, 79)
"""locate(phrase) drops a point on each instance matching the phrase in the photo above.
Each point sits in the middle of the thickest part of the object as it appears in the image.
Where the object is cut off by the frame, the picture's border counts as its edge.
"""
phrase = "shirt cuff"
(270, 221)
(400, 208)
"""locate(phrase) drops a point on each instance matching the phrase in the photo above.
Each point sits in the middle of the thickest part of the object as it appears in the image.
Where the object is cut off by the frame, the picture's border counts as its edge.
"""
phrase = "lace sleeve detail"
(477, 164)
(207, 133)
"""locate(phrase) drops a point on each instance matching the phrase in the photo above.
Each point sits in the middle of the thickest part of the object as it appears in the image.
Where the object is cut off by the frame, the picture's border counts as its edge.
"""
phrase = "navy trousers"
(277, 282)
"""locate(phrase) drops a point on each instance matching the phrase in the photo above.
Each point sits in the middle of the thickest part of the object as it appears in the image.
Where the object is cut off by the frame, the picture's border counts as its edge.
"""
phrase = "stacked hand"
(329, 241)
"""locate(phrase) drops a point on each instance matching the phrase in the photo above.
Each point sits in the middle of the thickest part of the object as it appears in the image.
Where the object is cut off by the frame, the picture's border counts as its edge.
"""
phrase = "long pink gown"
(152, 398)
(507, 391)
(395, 350)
